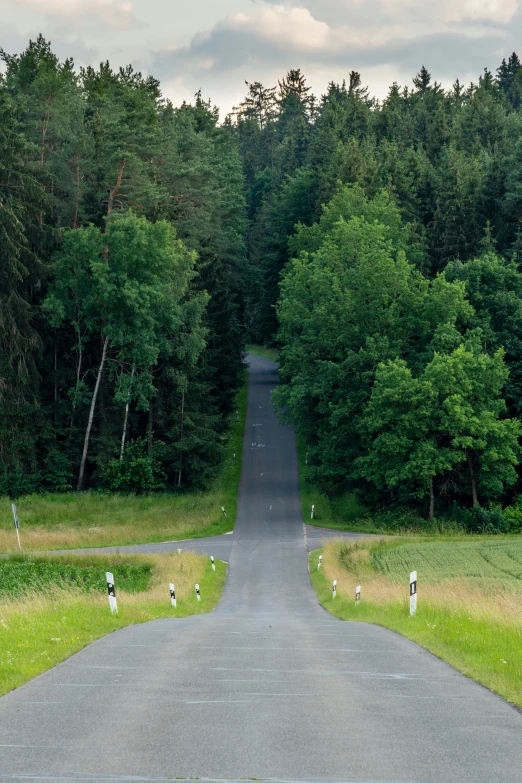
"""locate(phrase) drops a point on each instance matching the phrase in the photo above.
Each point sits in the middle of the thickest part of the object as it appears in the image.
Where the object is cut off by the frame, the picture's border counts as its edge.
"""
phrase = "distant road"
(218, 546)
(269, 685)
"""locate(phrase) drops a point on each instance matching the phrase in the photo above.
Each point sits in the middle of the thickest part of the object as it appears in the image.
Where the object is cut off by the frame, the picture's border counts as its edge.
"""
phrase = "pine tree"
(21, 272)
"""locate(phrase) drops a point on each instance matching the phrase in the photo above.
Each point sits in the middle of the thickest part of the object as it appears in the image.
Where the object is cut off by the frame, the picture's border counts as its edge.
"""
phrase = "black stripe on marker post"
(413, 593)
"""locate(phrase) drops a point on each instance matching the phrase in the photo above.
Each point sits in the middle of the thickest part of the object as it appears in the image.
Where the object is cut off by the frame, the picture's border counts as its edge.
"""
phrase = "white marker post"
(237, 415)
(213, 563)
(413, 593)
(234, 459)
(112, 592)
(180, 551)
(223, 510)
(173, 596)
(312, 514)
(319, 562)
(198, 596)
(357, 595)
(16, 524)
(334, 588)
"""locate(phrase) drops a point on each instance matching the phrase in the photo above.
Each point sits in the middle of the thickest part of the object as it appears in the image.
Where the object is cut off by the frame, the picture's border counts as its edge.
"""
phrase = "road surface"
(218, 546)
(268, 686)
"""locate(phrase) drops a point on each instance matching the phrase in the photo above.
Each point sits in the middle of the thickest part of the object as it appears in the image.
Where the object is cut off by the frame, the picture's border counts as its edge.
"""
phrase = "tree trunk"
(78, 376)
(126, 418)
(473, 480)
(432, 501)
(150, 429)
(115, 190)
(77, 194)
(91, 416)
(55, 389)
(181, 435)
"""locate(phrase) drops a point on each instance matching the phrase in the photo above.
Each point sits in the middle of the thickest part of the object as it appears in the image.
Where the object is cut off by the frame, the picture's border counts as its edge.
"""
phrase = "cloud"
(405, 12)
(292, 36)
(79, 14)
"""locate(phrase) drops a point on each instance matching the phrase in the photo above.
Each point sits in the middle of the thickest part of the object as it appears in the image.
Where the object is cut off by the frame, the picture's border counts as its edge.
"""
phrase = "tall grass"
(39, 630)
(472, 622)
(96, 519)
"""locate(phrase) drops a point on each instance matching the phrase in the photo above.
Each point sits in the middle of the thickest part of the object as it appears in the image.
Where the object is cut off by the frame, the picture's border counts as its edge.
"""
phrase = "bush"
(136, 472)
(483, 520)
(14, 483)
(513, 514)
(58, 473)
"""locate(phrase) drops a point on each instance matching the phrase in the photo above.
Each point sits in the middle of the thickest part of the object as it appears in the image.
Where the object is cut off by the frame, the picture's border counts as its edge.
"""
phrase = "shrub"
(513, 514)
(483, 520)
(136, 472)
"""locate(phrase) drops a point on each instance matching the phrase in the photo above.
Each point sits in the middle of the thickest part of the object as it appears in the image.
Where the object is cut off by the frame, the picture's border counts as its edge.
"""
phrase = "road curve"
(267, 686)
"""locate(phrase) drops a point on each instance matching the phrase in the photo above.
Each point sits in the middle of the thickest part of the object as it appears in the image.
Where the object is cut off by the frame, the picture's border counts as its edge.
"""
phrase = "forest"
(376, 243)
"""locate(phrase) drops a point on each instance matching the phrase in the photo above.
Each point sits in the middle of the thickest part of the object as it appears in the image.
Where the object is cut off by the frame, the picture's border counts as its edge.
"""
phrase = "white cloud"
(116, 14)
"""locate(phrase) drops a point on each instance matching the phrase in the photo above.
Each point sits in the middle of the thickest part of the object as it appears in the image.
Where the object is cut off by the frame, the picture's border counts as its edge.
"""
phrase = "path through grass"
(469, 600)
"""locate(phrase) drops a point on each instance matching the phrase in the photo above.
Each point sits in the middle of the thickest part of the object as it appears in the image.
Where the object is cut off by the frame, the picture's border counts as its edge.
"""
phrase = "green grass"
(482, 561)
(265, 351)
(20, 575)
(339, 512)
(38, 631)
(91, 519)
(474, 622)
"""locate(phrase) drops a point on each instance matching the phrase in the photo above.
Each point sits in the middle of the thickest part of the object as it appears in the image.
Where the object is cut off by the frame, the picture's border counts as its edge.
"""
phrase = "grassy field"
(469, 599)
(41, 628)
(91, 519)
(264, 351)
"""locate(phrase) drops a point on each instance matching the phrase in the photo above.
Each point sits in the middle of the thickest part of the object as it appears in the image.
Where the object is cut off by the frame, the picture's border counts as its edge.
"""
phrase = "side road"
(218, 546)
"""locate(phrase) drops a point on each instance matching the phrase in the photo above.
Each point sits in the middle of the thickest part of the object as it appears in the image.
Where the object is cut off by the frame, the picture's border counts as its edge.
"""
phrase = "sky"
(217, 45)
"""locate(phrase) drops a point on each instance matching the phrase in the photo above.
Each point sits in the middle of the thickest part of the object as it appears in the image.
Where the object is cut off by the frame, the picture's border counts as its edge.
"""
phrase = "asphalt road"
(268, 685)
(218, 546)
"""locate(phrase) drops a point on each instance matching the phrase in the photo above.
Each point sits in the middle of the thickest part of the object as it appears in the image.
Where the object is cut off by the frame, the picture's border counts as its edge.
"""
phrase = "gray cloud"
(234, 44)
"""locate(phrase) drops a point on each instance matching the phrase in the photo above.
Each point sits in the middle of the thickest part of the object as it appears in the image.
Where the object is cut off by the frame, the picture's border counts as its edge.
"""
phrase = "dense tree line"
(385, 247)
(122, 247)
(378, 243)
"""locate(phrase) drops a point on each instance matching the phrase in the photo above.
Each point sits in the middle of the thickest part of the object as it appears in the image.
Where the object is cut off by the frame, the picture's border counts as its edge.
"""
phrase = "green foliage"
(20, 575)
(123, 276)
(513, 514)
(136, 471)
(439, 424)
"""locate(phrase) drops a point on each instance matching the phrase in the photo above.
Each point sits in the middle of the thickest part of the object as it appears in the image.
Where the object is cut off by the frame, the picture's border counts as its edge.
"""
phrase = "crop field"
(74, 520)
(477, 561)
(51, 608)
(469, 599)
(20, 575)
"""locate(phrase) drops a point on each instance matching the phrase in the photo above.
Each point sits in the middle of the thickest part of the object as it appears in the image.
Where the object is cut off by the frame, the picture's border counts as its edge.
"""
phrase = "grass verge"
(473, 621)
(98, 519)
(265, 351)
(39, 630)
